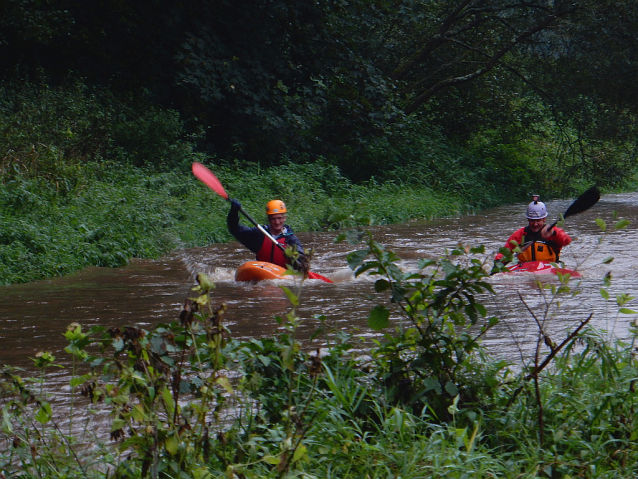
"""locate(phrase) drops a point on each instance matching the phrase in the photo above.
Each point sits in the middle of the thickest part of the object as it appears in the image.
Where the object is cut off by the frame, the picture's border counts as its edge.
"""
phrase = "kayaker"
(257, 242)
(537, 241)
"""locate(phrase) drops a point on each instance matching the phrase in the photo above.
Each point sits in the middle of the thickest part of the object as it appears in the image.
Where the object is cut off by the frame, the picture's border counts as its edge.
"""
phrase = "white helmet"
(536, 209)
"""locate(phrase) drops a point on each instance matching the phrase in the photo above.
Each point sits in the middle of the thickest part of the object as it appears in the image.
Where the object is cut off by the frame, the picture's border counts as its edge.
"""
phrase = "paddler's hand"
(235, 205)
(547, 232)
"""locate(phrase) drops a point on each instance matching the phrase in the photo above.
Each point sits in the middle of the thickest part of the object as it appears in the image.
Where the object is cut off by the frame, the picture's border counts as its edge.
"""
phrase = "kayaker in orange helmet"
(537, 241)
(257, 242)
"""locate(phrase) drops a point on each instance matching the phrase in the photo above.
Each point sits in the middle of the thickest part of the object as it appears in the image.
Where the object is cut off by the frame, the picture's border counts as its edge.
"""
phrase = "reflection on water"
(35, 316)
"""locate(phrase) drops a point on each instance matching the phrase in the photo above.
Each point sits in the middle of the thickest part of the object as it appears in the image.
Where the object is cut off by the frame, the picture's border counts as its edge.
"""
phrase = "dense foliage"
(301, 79)
(187, 400)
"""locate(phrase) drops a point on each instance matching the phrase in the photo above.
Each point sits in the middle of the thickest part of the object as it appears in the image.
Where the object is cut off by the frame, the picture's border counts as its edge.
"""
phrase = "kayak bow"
(539, 267)
(261, 270)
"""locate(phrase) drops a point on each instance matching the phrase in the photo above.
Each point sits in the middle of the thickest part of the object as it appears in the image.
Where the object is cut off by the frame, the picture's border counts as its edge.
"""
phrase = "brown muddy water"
(144, 293)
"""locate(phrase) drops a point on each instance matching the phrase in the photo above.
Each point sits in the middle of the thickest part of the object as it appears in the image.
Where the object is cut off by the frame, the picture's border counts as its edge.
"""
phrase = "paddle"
(209, 179)
(585, 201)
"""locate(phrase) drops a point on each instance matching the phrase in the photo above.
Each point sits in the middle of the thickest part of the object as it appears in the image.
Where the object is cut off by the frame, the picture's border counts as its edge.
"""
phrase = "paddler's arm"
(557, 235)
(250, 237)
(292, 240)
(511, 243)
(505, 255)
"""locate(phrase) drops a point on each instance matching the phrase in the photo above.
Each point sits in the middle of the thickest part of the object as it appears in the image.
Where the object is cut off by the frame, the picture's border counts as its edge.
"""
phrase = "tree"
(299, 79)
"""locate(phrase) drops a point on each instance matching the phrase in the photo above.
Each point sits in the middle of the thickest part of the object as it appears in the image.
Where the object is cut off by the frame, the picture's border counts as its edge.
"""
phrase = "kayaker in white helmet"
(257, 242)
(537, 240)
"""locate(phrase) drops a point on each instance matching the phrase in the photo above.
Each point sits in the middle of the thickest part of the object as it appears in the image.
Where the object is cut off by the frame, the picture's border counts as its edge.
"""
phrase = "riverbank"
(88, 179)
(111, 213)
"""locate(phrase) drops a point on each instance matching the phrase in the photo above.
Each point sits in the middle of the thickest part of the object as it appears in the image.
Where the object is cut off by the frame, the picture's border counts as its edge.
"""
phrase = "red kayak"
(261, 270)
(539, 267)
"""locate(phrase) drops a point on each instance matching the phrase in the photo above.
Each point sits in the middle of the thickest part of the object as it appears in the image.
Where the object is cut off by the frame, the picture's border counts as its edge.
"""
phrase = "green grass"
(117, 212)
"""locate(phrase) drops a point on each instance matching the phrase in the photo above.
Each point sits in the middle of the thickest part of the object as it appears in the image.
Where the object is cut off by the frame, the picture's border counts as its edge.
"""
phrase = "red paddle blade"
(209, 179)
(318, 276)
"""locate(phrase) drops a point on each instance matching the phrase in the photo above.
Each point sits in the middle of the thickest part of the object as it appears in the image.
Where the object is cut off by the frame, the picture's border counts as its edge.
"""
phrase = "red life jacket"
(271, 253)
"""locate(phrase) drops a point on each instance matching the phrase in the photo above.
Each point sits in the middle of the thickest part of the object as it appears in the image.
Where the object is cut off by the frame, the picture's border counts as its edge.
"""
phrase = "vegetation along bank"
(354, 113)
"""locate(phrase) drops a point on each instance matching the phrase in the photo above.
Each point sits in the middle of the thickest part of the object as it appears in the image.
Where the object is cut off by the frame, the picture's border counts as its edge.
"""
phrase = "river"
(143, 293)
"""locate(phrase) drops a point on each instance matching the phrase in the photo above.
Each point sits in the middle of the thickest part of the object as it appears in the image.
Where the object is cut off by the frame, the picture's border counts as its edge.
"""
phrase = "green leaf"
(202, 473)
(398, 293)
(118, 344)
(168, 399)
(137, 413)
(265, 360)
(171, 445)
(452, 390)
(7, 422)
(370, 265)
(271, 460)
(300, 453)
(623, 298)
(608, 260)
(424, 263)
(432, 384)
(448, 267)
(205, 283)
(355, 259)
(622, 224)
(224, 382)
(354, 236)
(74, 332)
(604, 293)
(601, 223)
(607, 279)
(340, 237)
(627, 311)
(117, 424)
(44, 414)
(379, 318)
(292, 297)
(381, 285)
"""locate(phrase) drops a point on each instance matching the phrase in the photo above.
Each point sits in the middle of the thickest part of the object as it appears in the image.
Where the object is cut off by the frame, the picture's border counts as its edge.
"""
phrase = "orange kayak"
(261, 270)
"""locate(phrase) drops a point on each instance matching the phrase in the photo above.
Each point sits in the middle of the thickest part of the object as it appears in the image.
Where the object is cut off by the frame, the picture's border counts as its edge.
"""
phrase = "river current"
(143, 293)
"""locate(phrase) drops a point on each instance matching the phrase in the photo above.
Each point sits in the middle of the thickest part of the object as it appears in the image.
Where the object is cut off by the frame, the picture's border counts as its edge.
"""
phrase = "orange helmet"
(275, 207)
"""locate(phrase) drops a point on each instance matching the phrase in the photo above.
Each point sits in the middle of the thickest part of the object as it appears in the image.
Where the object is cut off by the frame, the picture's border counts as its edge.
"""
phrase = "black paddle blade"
(585, 201)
